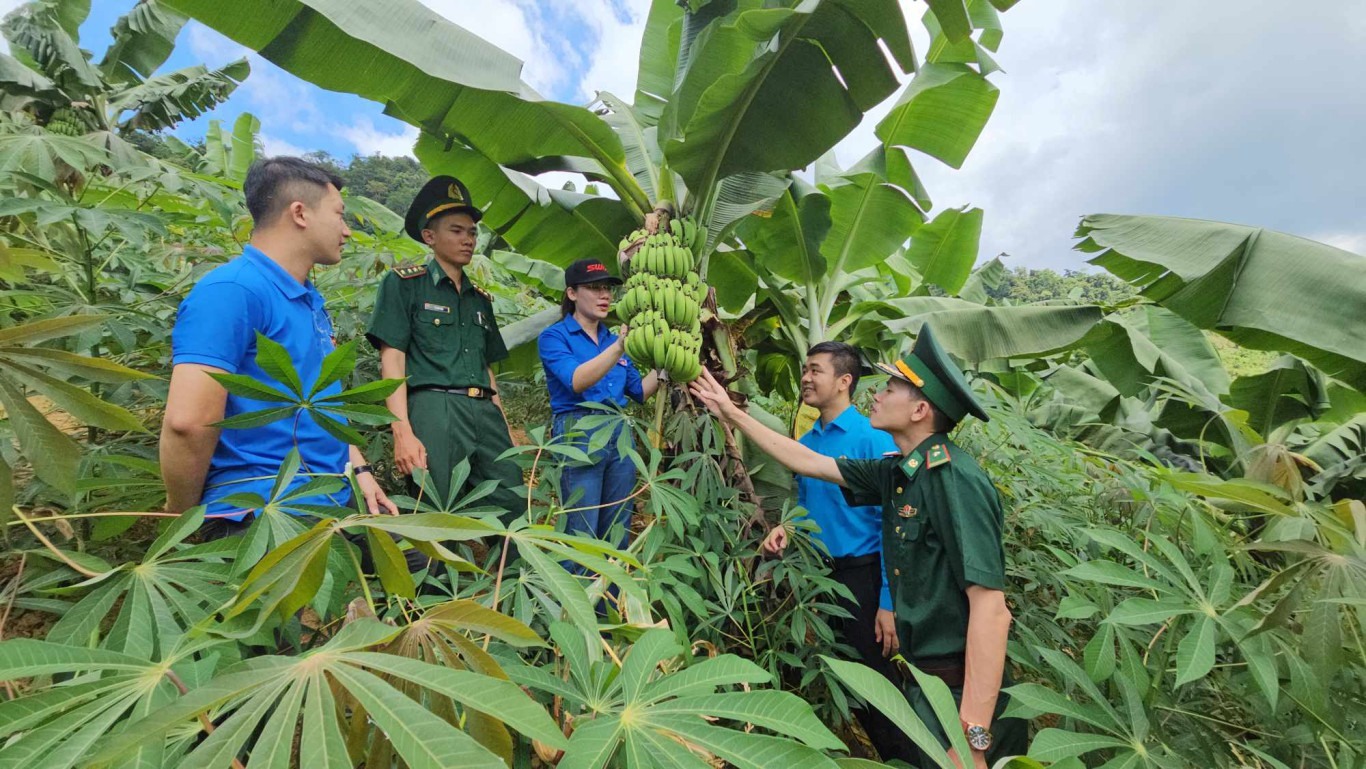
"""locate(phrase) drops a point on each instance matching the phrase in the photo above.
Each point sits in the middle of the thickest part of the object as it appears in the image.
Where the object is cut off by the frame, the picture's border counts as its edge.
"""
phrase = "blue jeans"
(595, 491)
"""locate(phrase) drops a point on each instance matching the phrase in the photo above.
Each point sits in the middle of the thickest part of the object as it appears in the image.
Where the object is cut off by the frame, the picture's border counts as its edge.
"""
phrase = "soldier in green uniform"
(941, 537)
(435, 328)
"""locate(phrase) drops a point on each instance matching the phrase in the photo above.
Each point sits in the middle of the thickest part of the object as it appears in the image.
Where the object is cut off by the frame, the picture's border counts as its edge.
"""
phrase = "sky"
(1246, 111)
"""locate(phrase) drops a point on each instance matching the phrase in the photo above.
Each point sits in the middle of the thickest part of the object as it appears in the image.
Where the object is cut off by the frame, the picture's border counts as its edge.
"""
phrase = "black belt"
(949, 669)
(468, 392)
(852, 561)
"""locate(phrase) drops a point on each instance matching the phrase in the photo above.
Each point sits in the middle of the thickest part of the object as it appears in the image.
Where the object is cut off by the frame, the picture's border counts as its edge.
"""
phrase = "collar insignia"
(912, 463)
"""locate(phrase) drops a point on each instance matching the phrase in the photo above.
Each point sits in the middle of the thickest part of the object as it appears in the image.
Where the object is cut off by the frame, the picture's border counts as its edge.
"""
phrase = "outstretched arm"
(791, 454)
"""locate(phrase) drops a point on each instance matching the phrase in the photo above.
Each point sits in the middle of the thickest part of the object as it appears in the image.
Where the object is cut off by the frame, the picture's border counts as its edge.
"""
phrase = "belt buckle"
(473, 392)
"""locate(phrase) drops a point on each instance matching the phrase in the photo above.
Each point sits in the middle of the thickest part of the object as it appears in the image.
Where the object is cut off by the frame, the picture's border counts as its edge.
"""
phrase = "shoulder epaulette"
(406, 271)
(487, 296)
(938, 455)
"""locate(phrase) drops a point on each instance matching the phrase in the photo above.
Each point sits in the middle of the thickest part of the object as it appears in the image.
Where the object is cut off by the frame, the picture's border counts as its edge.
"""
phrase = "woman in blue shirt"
(585, 362)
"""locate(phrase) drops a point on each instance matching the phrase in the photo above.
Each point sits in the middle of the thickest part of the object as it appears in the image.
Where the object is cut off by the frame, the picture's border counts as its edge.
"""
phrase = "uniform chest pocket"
(908, 523)
(436, 330)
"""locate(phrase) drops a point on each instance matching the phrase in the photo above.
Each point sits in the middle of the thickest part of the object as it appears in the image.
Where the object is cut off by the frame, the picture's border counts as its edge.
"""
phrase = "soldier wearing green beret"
(941, 537)
(435, 328)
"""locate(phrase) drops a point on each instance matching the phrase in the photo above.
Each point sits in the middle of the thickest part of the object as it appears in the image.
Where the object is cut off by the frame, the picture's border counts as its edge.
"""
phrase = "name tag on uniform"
(435, 307)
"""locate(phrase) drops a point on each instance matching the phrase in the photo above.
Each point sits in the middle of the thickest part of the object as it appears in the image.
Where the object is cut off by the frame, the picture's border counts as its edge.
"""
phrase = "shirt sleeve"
(635, 386)
(557, 358)
(974, 536)
(216, 326)
(390, 323)
(495, 349)
(884, 598)
(863, 480)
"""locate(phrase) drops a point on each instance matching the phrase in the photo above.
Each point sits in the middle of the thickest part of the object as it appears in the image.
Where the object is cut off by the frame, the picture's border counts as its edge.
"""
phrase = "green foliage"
(1022, 285)
(330, 411)
(53, 79)
(391, 182)
(1187, 582)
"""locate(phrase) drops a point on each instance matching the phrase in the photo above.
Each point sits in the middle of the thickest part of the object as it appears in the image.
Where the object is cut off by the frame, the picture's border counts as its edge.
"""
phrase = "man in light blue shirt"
(852, 536)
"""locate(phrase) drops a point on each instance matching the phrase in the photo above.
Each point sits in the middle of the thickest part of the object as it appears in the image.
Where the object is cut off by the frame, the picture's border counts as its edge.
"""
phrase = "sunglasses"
(609, 288)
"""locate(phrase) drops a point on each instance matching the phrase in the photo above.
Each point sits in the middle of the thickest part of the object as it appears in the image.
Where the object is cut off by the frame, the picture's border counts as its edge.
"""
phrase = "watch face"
(978, 737)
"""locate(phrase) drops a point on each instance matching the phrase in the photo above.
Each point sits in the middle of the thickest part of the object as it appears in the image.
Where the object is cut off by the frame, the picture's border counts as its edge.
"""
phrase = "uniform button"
(898, 489)
(898, 530)
(436, 322)
(896, 572)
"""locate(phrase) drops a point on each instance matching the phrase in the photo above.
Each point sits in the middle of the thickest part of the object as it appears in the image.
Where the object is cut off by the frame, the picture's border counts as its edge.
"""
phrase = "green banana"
(660, 348)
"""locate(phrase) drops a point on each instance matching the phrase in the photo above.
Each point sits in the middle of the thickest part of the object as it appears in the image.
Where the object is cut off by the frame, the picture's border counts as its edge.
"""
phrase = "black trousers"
(865, 583)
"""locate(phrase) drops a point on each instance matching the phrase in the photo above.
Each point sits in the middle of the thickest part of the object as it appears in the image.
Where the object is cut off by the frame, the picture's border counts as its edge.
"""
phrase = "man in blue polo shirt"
(297, 210)
(852, 535)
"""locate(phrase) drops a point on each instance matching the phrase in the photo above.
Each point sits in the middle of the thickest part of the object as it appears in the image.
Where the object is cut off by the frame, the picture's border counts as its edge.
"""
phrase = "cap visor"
(891, 371)
(609, 279)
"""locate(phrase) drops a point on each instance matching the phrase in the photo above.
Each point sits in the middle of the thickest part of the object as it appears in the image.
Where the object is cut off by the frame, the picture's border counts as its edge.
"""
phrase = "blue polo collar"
(572, 324)
(291, 288)
(843, 421)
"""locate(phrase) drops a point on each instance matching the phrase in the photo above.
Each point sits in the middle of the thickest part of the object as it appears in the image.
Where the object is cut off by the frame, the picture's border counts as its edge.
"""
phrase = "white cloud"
(369, 140)
(211, 47)
(273, 146)
(1184, 110)
(614, 62)
(518, 27)
(555, 180)
(281, 99)
(1354, 242)
(5, 7)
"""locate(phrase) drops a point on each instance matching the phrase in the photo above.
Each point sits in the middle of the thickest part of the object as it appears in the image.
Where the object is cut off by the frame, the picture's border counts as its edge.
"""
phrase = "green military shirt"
(941, 532)
(449, 336)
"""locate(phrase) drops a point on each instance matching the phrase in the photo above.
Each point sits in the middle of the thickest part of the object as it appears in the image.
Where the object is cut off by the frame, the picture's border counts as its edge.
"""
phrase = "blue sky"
(1231, 110)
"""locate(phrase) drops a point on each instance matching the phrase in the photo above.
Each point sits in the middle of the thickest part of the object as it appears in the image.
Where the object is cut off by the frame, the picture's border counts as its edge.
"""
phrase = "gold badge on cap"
(453, 192)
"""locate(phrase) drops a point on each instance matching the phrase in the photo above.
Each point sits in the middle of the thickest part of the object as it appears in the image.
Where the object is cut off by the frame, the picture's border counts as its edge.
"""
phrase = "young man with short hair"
(298, 213)
(941, 536)
(852, 535)
(435, 328)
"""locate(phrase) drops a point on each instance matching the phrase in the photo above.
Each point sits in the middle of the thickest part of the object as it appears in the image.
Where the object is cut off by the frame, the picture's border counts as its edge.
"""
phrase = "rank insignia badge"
(939, 455)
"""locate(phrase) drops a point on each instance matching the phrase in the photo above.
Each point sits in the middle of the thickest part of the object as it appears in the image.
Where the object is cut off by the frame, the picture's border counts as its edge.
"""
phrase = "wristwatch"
(978, 736)
(358, 469)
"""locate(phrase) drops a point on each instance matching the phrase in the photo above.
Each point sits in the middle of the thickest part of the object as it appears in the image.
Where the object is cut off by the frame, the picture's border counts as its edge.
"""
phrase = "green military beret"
(441, 195)
(931, 369)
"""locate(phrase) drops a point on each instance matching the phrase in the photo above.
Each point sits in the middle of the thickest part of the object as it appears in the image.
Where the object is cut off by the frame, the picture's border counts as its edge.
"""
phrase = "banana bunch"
(662, 303)
(685, 231)
(663, 255)
(629, 239)
(66, 122)
(675, 350)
